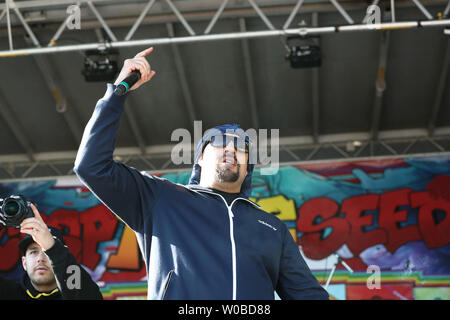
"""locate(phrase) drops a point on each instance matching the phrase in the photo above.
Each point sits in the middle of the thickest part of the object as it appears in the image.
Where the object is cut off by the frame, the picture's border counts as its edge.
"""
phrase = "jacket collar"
(28, 288)
(196, 187)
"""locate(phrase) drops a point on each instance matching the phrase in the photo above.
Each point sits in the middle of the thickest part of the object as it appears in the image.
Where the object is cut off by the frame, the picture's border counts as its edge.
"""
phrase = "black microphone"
(125, 85)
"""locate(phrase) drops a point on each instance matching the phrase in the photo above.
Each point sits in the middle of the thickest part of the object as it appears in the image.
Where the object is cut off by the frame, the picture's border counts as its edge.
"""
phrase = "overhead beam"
(426, 13)
(342, 12)
(180, 18)
(44, 4)
(29, 4)
(139, 20)
(11, 177)
(16, 10)
(262, 15)
(58, 33)
(446, 10)
(301, 142)
(392, 11)
(293, 14)
(229, 36)
(8, 22)
(194, 11)
(216, 17)
(339, 150)
(99, 17)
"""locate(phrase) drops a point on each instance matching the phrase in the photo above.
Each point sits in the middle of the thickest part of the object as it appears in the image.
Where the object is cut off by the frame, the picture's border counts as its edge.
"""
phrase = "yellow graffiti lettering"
(283, 208)
(127, 256)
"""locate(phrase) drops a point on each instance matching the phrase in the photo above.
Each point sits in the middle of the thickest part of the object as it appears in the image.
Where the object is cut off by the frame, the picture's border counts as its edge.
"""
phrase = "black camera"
(14, 210)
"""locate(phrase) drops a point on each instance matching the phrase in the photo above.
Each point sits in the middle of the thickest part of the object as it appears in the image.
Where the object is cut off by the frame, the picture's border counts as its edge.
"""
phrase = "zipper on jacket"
(233, 247)
(233, 244)
(166, 284)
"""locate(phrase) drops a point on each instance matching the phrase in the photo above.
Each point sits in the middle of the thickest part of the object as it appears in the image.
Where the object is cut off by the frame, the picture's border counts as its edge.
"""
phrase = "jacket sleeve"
(73, 281)
(296, 281)
(124, 190)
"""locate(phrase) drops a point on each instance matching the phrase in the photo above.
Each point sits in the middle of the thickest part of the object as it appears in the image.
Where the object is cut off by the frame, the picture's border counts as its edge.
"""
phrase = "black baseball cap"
(27, 240)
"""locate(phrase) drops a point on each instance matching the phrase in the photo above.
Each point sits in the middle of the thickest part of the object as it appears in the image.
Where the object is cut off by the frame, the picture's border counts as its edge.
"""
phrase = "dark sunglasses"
(222, 141)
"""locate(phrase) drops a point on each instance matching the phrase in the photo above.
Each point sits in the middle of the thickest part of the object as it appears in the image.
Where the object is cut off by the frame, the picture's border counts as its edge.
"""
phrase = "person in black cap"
(206, 240)
(51, 271)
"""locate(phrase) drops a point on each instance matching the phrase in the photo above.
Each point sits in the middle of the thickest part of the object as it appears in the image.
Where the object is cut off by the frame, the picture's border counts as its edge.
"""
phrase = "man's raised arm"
(124, 190)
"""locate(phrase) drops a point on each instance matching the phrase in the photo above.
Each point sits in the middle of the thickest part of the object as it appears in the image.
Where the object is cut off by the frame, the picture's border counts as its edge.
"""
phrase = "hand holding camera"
(37, 228)
(18, 212)
(13, 210)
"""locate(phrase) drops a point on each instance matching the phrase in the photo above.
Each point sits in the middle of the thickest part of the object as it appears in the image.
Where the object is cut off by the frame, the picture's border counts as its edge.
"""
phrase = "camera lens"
(15, 209)
(11, 208)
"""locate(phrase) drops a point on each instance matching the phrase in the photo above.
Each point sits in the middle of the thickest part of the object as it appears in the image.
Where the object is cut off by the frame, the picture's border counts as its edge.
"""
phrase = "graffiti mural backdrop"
(388, 220)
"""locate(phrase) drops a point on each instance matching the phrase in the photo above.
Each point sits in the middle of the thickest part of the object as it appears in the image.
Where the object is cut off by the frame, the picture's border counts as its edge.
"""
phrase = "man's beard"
(48, 279)
(224, 174)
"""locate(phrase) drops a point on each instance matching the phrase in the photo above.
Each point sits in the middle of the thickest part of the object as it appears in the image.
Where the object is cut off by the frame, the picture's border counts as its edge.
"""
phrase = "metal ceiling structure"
(382, 89)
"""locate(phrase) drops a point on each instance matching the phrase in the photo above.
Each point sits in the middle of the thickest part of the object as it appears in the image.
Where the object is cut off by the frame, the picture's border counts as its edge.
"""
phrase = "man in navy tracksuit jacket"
(206, 240)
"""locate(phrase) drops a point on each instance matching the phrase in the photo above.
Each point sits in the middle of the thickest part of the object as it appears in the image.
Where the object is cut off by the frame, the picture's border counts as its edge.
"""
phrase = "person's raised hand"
(139, 62)
(37, 228)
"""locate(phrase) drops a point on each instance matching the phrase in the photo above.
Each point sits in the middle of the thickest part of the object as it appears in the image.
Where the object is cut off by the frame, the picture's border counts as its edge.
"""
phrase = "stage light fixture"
(301, 54)
(100, 65)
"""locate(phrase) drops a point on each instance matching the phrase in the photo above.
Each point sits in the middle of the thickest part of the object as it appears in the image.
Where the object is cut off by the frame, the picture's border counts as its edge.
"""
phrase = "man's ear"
(246, 169)
(24, 265)
(200, 160)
